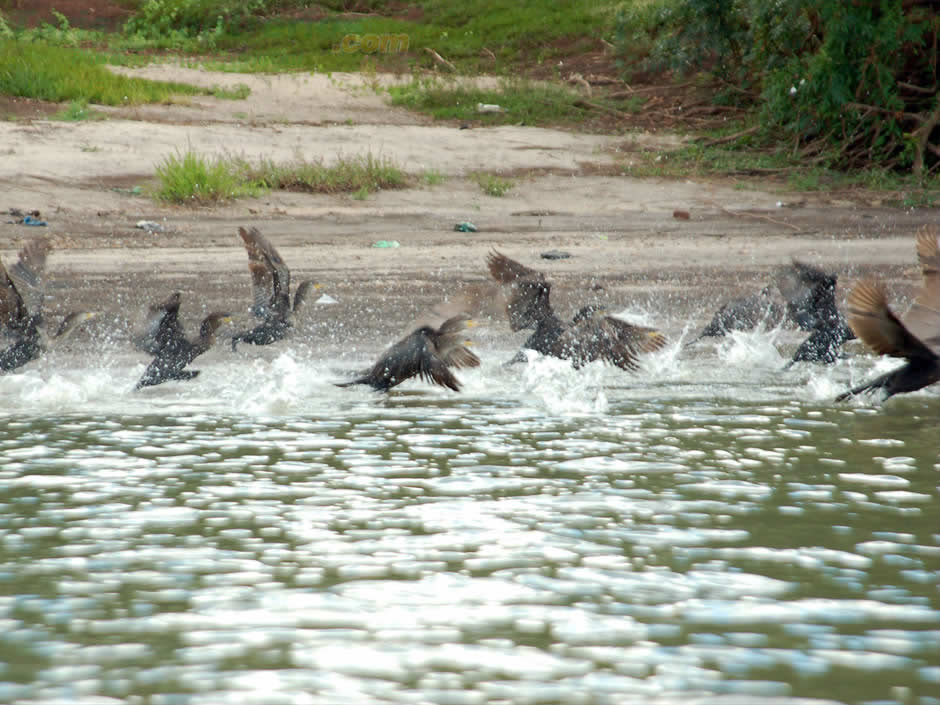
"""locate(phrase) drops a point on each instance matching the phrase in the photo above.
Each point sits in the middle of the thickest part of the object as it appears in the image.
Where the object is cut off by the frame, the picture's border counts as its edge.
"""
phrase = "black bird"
(270, 286)
(172, 351)
(590, 335)
(916, 339)
(21, 316)
(426, 352)
(810, 294)
(744, 313)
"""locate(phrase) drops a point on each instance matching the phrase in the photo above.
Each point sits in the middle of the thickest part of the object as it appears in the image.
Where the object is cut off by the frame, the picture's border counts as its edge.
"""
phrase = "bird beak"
(92, 314)
(471, 323)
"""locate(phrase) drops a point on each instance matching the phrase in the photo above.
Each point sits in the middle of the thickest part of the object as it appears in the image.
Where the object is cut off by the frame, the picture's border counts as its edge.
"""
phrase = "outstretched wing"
(270, 278)
(450, 343)
(528, 290)
(877, 326)
(607, 338)
(413, 356)
(923, 318)
(810, 294)
(162, 327)
(21, 288)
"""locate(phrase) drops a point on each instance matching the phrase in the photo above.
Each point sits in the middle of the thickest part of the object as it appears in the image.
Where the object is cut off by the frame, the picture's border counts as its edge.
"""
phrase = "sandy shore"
(626, 247)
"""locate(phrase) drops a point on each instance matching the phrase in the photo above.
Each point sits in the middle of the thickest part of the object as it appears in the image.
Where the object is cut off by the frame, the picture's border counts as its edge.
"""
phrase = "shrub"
(848, 84)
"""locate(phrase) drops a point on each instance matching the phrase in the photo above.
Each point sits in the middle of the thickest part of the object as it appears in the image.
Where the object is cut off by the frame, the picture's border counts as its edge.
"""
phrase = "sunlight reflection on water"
(704, 530)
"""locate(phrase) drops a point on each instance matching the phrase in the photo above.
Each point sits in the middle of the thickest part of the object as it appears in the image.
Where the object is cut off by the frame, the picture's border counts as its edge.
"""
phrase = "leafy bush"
(204, 19)
(848, 84)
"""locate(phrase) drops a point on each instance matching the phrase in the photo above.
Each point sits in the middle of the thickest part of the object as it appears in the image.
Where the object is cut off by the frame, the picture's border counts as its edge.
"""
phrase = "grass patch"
(477, 35)
(190, 178)
(77, 111)
(493, 185)
(60, 74)
(347, 175)
(524, 102)
(239, 91)
(432, 177)
(782, 169)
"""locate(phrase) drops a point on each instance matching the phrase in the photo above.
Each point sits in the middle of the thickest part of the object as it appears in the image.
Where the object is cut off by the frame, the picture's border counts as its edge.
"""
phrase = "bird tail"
(877, 383)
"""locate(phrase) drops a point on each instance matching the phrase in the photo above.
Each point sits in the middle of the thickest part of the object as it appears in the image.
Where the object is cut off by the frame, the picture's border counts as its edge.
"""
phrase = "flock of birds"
(431, 353)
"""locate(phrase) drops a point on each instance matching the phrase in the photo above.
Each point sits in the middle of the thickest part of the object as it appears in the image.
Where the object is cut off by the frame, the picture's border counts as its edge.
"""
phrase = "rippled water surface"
(710, 531)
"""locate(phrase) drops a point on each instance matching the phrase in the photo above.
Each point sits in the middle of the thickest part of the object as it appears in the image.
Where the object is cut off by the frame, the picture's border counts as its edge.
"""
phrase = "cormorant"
(744, 313)
(172, 351)
(916, 339)
(810, 294)
(426, 352)
(590, 335)
(270, 285)
(21, 315)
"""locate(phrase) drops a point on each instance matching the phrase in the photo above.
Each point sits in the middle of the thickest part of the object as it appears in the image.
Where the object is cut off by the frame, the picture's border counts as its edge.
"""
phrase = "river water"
(711, 530)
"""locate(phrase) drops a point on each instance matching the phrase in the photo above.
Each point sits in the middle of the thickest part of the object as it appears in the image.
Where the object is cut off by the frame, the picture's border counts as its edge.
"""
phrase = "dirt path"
(620, 231)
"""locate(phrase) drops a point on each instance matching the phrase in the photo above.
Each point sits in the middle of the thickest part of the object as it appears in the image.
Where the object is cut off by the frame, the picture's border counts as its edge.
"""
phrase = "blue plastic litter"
(30, 220)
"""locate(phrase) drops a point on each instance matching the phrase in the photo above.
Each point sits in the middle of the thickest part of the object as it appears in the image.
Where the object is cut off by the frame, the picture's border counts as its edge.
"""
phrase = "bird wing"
(21, 288)
(12, 310)
(300, 295)
(411, 356)
(448, 343)
(923, 318)
(809, 293)
(878, 327)
(528, 299)
(270, 278)
(162, 327)
(607, 338)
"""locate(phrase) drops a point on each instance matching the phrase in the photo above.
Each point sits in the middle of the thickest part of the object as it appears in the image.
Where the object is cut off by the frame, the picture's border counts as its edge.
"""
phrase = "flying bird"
(426, 352)
(916, 338)
(810, 295)
(270, 286)
(589, 336)
(22, 290)
(744, 313)
(172, 351)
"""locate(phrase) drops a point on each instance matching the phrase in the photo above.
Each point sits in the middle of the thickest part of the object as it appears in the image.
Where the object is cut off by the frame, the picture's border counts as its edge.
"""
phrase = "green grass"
(432, 177)
(60, 74)
(77, 111)
(476, 35)
(347, 175)
(493, 185)
(524, 102)
(192, 179)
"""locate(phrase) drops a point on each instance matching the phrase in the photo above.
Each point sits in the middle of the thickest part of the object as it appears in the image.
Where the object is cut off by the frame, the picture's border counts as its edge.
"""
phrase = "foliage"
(363, 174)
(845, 84)
(493, 185)
(203, 19)
(522, 101)
(59, 74)
(192, 179)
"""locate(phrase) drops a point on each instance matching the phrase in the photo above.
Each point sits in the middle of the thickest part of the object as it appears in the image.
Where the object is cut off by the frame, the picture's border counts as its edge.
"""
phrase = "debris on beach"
(150, 226)
(555, 254)
(465, 227)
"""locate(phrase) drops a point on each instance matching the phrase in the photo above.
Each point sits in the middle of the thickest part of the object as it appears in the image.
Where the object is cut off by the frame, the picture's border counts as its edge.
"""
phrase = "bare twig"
(440, 59)
(732, 137)
(745, 214)
(603, 108)
(922, 136)
(488, 53)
